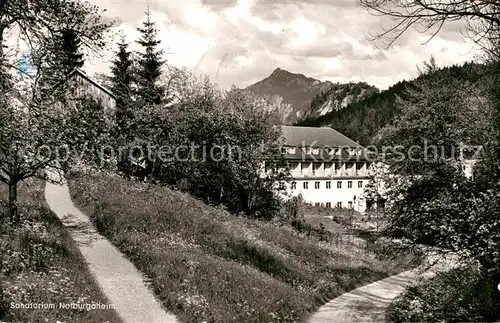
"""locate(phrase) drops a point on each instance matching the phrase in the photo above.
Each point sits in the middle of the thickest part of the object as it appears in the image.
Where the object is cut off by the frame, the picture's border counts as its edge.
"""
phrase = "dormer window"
(307, 150)
(291, 151)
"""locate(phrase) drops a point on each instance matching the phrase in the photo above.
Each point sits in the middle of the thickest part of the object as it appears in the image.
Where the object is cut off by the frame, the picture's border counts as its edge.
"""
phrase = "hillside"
(205, 264)
(339, 96)
(362, 120)
(296, 93)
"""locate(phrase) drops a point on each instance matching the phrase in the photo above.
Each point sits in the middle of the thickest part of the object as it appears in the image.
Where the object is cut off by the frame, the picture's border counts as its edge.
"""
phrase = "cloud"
(243, 41)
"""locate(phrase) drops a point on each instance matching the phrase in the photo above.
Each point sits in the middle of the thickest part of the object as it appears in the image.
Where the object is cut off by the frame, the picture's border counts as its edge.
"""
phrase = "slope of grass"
(41, 267)
(208, 265)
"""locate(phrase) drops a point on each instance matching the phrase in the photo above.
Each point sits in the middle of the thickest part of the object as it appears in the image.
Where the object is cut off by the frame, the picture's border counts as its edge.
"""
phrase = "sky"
(242, 41)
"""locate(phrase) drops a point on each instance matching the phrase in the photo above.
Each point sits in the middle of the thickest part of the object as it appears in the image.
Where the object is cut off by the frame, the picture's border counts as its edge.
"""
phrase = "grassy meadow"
(205, 264)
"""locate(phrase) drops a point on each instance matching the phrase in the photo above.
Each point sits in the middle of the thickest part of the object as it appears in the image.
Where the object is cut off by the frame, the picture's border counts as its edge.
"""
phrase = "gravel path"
(120, 281)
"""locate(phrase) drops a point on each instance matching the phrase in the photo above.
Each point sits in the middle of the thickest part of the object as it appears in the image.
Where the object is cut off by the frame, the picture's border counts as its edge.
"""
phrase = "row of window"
(328, 165)
(305, 185)
(339, 204)
(315, 151)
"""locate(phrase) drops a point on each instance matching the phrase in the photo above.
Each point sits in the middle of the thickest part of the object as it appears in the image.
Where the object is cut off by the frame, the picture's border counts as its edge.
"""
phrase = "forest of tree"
(362, 120)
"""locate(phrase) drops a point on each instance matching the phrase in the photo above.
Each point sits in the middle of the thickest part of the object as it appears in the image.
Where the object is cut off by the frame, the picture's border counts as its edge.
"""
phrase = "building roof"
(316, 137)
(91, 80)
(88, 78)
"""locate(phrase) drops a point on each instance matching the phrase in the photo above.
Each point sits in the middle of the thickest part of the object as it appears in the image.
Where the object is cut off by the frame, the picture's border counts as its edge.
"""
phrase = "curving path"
(119, 280)
(369, 303)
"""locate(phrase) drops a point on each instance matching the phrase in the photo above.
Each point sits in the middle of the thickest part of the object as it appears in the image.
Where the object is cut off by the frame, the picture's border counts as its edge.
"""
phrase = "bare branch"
(430, 14)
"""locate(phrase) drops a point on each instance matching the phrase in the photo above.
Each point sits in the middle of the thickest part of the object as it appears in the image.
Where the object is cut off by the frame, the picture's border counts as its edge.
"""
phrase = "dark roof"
(315, 137)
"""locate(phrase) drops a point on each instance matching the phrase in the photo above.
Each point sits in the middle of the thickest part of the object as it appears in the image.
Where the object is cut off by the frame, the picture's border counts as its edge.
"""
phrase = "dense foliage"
(362, 120)
(432, 202)
(213, 144)
(461, 295)
(32, 111)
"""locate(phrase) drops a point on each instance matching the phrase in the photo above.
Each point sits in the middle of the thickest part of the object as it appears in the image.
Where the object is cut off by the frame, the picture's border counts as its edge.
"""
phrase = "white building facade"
(327, 168)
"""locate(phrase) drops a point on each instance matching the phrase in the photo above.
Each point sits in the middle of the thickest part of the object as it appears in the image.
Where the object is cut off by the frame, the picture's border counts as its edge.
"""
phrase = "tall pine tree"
(64, 55)
(149, 64)
(70, 49)
(121, 79)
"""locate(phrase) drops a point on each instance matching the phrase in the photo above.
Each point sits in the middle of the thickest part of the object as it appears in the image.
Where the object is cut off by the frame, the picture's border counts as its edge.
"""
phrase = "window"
(360, 184)
(306, 185)
(303, 166)
(328, 168)
(339, 184)
(349, 204)
(294, 185)
(316, 185)
(282, 186)
(339, 204)
(328, 184)
(349, 184)
(329, 205)
(317, 204)
(315, 167)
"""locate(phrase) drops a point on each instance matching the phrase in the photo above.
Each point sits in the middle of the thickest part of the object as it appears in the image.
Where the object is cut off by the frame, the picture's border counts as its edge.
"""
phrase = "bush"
(460, 295)
(455, 214)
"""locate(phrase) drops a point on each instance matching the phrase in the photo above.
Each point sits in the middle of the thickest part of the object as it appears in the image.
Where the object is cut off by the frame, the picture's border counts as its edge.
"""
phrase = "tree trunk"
(13, 211)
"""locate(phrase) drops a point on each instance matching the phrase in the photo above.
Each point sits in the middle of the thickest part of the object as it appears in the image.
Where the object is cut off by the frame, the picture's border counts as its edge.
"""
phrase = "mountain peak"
(283, 76)
(297, 91)
(279, 71)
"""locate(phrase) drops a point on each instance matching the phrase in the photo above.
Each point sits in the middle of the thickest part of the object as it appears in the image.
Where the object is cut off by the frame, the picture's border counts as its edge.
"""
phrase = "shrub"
(461, 295)
(459, 215)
